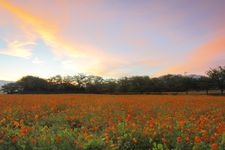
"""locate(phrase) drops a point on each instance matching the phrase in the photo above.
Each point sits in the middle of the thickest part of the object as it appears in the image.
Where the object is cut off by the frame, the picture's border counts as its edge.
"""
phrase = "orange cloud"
(45, 29)
(200, 58)
(50, 33)
(208, 51)
(59, 45)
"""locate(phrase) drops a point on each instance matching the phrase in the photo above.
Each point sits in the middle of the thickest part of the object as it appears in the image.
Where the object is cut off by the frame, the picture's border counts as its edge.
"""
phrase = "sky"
(110, 38)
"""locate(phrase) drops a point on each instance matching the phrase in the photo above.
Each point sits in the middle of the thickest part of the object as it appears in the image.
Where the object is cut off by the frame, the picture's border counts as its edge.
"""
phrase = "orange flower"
(204, 132)
(187, 138)
(25, 130)
(198, 139)
(16, 124)
(36, 117)
(88, 137)
(112, 145)
(3, 120)
(179, 139)
(181, 123)
(75, 142)
(214, 146)
(21, 121)
(212, 139)
(14, 140)
(128, 117)
(33, 141)
(57, 139)
(134, 140)
(106, 138)
(164, 140)
(206, 139)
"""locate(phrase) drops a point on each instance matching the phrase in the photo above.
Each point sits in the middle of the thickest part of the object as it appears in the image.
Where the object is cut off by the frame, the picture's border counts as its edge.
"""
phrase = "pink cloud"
(200, 58)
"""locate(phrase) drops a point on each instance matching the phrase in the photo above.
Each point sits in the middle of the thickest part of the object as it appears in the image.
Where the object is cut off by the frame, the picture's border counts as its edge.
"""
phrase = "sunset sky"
(110, 38)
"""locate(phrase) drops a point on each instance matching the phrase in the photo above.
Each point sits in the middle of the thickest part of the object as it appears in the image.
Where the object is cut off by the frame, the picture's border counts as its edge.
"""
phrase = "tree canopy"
(218, 76)
(82, 83)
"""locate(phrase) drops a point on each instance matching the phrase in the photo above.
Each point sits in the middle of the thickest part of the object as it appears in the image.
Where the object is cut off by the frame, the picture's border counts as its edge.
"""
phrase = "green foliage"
(218, 75)
(157, 146)
(95, 144)
(134, 141)
(201, 146)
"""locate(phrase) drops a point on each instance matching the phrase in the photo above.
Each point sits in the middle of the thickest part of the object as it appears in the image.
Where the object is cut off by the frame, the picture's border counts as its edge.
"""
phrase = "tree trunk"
(221, 91)
(207, 92)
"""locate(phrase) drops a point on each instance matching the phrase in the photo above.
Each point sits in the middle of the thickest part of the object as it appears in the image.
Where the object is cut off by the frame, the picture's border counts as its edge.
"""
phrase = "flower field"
(112, 122)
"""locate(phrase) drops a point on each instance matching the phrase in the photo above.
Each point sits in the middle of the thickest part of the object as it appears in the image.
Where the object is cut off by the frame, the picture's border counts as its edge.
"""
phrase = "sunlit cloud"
(18, 49)
(46, 30)
(60, 47)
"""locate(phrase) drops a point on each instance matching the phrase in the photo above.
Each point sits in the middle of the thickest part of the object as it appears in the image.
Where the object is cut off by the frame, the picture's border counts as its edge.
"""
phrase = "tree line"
(81, 83)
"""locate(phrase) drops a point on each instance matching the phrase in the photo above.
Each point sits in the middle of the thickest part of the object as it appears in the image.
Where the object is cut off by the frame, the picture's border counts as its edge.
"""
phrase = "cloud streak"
(50, 34)
(45, 29)
(59, 46)
(18, 49)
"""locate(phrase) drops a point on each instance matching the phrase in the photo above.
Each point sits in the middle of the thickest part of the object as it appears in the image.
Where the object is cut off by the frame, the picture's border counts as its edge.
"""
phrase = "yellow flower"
(16, 124)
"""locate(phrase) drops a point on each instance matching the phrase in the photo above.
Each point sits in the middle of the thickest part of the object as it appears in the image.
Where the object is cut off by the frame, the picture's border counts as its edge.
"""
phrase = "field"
(112, 122)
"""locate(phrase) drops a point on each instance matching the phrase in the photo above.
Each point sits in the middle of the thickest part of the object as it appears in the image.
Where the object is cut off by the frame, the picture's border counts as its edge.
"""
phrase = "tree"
(109, 86)
(80, 81)
(94, 84)
(156, 85)
(56, 79)
(68, 80)
(11, 88)
(31, 84)
(171, 83)
(139, 84)
(188, 83)
(123, 84)
(204, 83)
(218, 76)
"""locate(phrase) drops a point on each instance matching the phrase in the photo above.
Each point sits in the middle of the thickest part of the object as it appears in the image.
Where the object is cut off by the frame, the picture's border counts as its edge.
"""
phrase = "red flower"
(128, 117)
(164, 140)
(212, 139)
(181, 123)
(25, 130)
(179, 139)
(36, 117)
(33, 141)
(75, 142)
(14, 140)
(187, 138)
(58, 139)
(214, 146)
(198, 139)
(134, 140)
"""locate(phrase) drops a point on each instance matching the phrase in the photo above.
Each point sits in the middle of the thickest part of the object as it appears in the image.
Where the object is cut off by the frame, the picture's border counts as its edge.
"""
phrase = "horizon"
(116, 78)
(111, 39)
